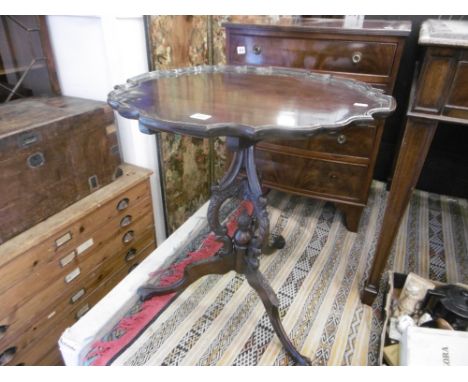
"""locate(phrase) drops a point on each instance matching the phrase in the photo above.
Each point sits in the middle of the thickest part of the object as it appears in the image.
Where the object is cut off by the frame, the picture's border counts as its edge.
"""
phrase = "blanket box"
(54, 151)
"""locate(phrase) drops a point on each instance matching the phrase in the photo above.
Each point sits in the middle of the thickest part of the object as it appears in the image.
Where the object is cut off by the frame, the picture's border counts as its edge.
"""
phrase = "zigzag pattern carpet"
(318, 276)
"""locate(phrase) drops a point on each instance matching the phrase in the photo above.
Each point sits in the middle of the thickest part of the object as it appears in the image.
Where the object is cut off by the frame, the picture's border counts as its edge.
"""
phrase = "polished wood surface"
(370, 53)
(246, 101)
(246, 104)
(439, 94)
(287, 23)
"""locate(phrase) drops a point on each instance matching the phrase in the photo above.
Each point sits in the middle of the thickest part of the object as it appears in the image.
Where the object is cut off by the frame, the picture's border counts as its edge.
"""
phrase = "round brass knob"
(257, 49)
(357, 57)
(341, 139)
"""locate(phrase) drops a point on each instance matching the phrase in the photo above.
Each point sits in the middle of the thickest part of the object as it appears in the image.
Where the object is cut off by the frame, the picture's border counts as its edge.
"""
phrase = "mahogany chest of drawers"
(53, 273)
(334, 167)
(53, 152)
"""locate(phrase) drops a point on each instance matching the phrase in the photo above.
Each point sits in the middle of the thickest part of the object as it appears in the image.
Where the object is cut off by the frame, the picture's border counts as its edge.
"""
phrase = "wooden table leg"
(414, 147)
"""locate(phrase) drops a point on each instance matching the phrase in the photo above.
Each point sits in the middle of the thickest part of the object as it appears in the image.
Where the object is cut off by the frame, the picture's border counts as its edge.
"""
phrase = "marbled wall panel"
(178, 41)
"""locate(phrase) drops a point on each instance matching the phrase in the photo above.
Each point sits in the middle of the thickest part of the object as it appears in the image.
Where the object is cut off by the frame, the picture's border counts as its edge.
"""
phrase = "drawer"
(20, 331)
(312, 177)
(39, 353)
(329, 55)
(36, 262)
(356, 141)
(54, 279)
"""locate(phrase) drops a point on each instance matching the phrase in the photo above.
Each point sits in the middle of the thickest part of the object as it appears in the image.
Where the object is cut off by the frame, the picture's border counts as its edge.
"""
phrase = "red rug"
(132, 325)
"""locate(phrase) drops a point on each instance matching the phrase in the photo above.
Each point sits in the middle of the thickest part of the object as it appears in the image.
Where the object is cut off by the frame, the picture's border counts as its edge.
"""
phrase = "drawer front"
(330, 55)
(38, 353)
(40, 259)
(56, 277)
(23, 331)
(356, 141)
(312, 177)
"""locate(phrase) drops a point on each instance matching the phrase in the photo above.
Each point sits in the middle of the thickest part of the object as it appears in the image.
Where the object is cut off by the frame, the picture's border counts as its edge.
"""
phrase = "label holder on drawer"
(84, 246)
(77, 296)
(63, 239)
(64, 261)
(82, 311)
(72, 275)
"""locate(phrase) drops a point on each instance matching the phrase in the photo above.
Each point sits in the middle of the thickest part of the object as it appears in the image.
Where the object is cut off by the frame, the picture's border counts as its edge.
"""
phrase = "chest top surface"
(322, 25)
(444, 32)
(247, 101)
(28, 113)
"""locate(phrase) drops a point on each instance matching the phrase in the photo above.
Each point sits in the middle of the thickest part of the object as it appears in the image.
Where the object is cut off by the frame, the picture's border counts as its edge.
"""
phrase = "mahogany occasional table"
(246, 104)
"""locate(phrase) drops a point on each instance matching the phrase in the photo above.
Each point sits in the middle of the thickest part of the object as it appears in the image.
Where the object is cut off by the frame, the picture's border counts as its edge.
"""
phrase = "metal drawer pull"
(341, 139)
(28, 139)
(128, 237)
(131, 254)
(93, 182)
(7, 356)
(3, 329)
(126, 220)
(257, 49)
(333, 175)
(123, 204)
(357, 57)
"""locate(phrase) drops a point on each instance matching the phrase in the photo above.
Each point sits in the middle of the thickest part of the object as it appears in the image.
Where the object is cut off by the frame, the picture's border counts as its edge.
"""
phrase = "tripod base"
(241, 251)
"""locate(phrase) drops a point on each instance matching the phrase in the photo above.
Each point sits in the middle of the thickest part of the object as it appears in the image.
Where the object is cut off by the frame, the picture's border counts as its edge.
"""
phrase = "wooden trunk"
(54, 151)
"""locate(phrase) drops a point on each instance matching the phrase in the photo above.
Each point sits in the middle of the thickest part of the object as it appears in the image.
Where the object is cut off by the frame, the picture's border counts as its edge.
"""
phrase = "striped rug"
(318, 276)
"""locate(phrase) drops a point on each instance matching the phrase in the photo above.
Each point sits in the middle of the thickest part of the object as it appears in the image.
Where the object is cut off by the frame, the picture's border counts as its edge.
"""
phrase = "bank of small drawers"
(53, 283)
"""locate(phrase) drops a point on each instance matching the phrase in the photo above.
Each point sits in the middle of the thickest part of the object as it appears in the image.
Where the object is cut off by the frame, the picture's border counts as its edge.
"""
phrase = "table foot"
(270, 301)
(216, 265)
(274, 243)
(369, 294)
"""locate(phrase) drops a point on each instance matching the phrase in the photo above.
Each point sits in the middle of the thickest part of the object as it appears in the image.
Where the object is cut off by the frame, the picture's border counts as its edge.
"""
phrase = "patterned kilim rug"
(318, 276)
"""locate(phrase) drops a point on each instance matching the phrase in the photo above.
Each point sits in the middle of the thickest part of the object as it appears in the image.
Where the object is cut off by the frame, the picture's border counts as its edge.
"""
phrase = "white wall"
(94, 53)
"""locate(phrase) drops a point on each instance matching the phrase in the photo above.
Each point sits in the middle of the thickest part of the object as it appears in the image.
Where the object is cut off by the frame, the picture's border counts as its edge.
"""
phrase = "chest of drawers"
(334, 167)
(53, 273)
